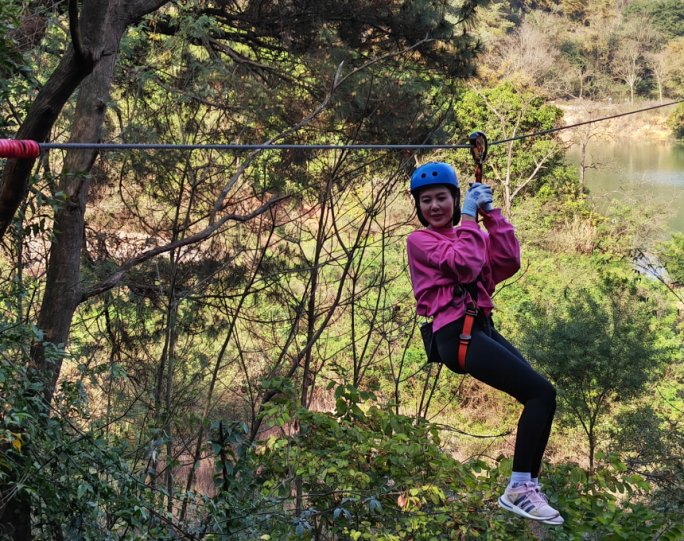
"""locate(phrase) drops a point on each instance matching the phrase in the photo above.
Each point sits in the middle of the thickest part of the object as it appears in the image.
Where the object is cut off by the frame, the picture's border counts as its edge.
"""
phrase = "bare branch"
(379, 59)
(648, 266)
(506, 284)
(218, 205)
(549, 154)
(116, 277)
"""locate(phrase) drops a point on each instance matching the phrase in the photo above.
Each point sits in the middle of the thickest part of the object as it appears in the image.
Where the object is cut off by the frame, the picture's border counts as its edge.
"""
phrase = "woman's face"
(437, 205)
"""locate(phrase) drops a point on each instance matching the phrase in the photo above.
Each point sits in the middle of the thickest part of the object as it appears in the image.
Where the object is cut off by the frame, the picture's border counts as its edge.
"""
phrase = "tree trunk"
(660, 91)
(100, 30)
(168, 430)
(57, 310)
(582, 168)
(47, 106)
(311, 328)
(39, 121)
(508, 202)
(63, 289)
(311, 307)
(171, 338)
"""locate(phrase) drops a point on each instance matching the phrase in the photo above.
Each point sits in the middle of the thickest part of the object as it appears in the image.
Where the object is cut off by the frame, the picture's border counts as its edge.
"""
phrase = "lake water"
(640, 171)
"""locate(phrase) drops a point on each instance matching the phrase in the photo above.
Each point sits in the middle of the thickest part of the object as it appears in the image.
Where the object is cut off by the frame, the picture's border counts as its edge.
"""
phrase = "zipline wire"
(114, 146)
(246, 147)
(544, 132)
(164, 146)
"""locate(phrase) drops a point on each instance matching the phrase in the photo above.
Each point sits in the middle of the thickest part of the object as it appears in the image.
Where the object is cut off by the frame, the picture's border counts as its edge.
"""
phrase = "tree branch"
(337, 82)
(550, 153)
(218, 205)
(75, 30)
(116, 277)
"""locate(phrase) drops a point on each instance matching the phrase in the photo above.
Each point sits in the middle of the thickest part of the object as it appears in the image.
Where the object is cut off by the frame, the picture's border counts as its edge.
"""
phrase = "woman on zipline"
(454, 270)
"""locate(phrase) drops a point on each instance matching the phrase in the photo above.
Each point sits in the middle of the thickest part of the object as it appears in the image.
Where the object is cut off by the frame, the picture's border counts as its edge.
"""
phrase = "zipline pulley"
(478, 150)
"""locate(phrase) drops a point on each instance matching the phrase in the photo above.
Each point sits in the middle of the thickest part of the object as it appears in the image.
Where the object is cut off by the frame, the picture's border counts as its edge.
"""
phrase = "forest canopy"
(666, 15)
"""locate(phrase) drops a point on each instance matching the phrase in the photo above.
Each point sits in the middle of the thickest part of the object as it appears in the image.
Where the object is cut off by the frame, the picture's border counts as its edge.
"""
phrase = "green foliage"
(597, 347)
(506, 111)
(675, 121)
(77, 483)
(494, 20)
(10, 59)
(671, 256)
(606, 504)
(666, 15)
(16, 77)
(368, 473)
(378, 475)
(574, 9)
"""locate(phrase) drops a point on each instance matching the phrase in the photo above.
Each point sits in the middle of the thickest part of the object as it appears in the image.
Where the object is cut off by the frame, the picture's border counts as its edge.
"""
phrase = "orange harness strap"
(471, 314)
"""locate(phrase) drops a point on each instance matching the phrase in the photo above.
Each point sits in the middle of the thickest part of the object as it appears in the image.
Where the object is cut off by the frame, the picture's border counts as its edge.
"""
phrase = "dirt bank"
(649, 125)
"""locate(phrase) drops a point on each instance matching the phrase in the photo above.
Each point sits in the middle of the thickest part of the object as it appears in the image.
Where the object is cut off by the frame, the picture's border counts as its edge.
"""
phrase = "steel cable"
(29, 149)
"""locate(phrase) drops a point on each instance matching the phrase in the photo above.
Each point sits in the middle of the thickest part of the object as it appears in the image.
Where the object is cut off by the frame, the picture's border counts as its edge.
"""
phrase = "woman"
(454, 268)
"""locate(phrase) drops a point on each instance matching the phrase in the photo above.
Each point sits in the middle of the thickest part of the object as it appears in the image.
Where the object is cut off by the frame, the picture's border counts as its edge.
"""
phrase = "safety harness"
(470, 314)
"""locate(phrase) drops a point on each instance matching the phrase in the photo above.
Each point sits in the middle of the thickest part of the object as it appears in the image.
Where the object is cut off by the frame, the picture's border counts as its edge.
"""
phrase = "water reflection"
(648, 170)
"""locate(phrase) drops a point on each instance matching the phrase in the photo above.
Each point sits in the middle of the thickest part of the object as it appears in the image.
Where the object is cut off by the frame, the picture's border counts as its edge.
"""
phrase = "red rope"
(9, 148)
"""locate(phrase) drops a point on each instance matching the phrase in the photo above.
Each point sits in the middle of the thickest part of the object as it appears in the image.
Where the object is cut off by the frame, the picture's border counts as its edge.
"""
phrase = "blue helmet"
(434, 173)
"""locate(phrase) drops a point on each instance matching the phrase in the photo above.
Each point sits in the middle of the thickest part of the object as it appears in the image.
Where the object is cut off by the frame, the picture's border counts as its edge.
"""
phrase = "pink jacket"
(441, 258)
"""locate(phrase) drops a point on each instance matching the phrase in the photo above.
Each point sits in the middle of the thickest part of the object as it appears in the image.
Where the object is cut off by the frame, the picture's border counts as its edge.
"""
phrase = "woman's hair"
(456, 194)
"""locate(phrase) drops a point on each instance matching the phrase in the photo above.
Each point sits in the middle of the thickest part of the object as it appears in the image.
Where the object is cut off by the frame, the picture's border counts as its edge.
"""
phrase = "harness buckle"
(465, 337)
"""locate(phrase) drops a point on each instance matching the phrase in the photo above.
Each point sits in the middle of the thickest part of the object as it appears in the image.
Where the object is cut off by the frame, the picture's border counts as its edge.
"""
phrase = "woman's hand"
(471, 203)
(487, 205)
(479, 197)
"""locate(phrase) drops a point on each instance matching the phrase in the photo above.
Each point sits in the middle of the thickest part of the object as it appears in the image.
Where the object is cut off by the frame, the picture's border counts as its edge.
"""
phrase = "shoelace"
(538, 489)
(534, 495)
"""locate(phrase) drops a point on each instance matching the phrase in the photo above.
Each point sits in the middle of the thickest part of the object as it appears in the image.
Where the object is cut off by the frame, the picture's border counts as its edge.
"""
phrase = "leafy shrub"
(367, 473)
(73, 483)
(363, 472)
(676, 121)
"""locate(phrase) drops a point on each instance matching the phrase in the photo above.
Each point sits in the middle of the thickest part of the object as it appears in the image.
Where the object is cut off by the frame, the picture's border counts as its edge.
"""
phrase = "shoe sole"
(522, 512)
(551, 522)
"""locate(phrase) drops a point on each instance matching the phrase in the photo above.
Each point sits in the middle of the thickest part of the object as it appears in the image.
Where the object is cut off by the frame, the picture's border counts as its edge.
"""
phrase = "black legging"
(494, 361)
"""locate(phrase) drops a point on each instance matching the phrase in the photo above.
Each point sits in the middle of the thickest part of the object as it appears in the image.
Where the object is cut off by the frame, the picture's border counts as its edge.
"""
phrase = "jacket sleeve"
(504, 249)
(461, 258)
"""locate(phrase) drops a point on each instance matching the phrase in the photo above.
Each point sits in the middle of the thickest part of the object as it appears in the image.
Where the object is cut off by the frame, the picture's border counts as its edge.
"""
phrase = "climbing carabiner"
(478, 150)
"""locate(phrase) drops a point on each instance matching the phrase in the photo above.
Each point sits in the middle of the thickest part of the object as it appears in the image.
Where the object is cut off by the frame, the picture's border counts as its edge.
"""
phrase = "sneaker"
(527, 501)
(558, 521)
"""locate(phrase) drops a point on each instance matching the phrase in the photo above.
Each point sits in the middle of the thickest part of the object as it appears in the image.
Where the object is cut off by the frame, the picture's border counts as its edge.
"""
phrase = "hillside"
(646, 126)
